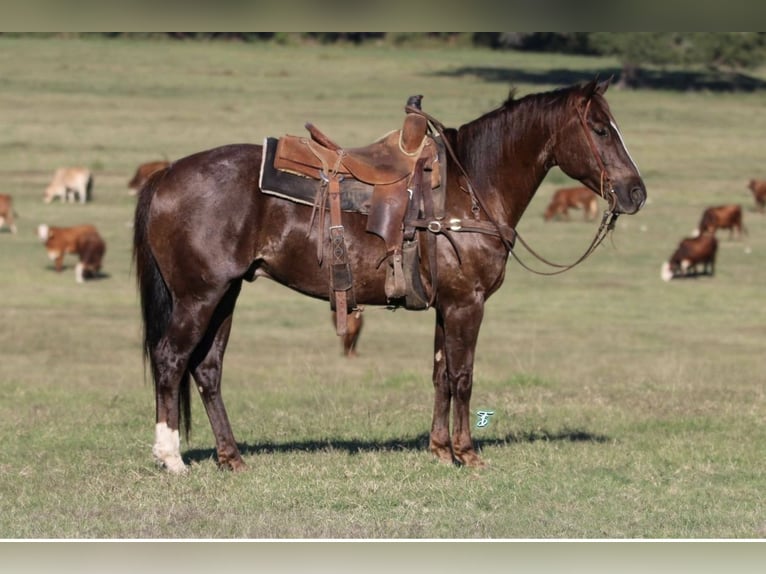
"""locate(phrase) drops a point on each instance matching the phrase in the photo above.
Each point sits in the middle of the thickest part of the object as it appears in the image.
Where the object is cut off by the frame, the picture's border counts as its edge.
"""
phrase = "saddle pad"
(355, 196)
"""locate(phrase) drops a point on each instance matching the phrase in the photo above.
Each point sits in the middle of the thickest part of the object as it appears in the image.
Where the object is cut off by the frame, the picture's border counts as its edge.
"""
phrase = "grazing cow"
(143, 172)
(574, 197)
(722, 217)
(758, 187)
(354, 322)
(691, 252)
(6, 212)
(70, 184)
(82, 240)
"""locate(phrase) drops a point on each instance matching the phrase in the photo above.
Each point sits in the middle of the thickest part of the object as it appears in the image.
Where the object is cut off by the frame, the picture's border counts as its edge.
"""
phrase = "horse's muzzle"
(631, 198)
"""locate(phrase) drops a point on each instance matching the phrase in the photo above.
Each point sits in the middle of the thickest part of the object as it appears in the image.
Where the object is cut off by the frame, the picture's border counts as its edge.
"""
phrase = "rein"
(507, 234)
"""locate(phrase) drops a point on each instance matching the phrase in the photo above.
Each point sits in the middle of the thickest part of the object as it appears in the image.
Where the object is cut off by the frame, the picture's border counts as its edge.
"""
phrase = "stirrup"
(396, 286)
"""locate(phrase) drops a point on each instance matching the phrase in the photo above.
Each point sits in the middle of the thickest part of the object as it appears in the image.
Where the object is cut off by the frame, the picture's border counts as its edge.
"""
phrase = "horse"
(202, 227)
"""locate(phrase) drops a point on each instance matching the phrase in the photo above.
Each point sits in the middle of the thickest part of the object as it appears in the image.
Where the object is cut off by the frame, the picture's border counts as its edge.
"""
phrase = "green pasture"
(625, 407)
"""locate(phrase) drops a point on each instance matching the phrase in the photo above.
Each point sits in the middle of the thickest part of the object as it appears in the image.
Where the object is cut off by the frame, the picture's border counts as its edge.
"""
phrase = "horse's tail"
(156, 303)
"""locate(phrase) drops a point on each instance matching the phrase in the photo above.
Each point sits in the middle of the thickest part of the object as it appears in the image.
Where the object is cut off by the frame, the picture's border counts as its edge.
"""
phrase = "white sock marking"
(167, 448)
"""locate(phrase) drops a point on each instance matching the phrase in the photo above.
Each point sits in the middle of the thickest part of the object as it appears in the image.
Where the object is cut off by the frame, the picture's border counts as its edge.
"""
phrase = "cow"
(691, 252)
(70, 184)
(722, 217)
(758, 187)
(354, 322)
(574, 197)
(143, 172)
(82, 240)
(7, 212)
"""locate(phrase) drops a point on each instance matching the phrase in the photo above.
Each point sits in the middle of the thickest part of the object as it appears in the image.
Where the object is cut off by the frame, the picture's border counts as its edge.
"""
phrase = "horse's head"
(590, 148)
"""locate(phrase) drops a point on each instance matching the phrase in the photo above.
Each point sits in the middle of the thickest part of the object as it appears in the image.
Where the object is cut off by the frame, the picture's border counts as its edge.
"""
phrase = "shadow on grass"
(89, 275)
(692, 275)
(675, 80)
(418, 443)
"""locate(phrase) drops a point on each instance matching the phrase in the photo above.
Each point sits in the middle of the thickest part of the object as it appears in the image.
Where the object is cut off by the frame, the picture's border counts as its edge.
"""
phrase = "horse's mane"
(483, 142)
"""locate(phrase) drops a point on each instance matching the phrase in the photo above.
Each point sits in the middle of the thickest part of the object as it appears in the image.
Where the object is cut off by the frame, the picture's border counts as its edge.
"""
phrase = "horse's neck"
(513, 160)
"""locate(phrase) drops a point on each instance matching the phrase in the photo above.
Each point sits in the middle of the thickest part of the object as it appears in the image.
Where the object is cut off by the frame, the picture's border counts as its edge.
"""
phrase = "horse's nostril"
(638, 196)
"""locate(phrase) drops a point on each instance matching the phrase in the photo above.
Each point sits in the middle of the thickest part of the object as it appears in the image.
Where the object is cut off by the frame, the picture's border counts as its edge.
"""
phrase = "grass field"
(626, 407)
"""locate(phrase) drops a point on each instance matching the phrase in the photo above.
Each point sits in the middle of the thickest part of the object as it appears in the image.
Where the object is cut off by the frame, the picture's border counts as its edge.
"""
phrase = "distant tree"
(713, 50)
(566, 42)
(333, 37)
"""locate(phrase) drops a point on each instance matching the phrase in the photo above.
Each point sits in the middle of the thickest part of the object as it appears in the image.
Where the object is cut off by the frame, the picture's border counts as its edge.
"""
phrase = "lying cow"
(143, 172)
(82, 240)
(575, 198)
(6, 212)
(758, 187)
(70, 184)
(722, 217)
(354, 322)
(691, 253)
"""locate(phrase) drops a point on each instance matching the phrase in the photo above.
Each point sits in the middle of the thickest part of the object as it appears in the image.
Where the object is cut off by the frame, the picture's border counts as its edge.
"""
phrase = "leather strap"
(340, 270)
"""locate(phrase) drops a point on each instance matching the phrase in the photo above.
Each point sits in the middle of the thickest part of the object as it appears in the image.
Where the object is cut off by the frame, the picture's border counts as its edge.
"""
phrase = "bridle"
(608, 220)
(604, 178)
(507, 235)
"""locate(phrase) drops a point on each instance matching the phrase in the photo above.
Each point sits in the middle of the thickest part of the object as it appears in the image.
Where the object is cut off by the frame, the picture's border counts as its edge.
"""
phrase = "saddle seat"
(387, 160)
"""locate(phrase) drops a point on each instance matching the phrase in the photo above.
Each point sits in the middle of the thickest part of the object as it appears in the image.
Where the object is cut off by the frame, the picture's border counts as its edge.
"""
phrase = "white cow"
(70, 184)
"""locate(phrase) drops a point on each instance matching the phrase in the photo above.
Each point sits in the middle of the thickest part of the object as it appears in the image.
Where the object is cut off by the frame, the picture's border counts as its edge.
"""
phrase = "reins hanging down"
(607, 224)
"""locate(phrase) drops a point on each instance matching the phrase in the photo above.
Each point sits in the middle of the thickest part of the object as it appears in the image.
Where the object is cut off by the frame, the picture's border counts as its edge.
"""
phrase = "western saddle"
(399, 167)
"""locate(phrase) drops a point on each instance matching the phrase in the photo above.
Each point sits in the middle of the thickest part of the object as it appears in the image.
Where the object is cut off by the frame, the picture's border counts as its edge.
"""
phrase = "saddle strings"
(320, 200)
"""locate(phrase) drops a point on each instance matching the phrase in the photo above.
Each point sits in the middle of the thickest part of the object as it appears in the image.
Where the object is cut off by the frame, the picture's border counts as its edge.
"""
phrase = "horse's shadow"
(417, 443)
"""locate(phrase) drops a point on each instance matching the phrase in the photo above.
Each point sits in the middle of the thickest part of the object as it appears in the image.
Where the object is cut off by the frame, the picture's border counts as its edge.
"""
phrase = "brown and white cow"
(70, 184)
(758, 187)
(7, 212)
(143, 172)
(81, 240)
(691, 253)
(722, 217)
(572, 197)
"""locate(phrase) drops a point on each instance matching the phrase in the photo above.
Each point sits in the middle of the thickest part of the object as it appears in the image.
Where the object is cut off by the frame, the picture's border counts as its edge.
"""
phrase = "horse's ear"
(597, 87)
(602, 86)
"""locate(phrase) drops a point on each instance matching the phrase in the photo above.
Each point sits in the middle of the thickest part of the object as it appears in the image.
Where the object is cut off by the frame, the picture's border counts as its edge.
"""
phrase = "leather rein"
(507, 234)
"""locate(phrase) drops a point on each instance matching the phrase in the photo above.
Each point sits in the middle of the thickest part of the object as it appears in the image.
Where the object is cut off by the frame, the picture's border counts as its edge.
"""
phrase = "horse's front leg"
(453, 379)
(439, 443)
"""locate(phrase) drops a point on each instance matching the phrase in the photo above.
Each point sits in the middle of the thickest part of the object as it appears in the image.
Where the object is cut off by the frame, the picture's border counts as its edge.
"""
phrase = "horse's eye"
(600, 130)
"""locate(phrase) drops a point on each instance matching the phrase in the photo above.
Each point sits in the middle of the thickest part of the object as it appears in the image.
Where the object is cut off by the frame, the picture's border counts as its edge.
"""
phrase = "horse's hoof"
(472, 460)
(234, 465)
(173, 465)
(443, 454)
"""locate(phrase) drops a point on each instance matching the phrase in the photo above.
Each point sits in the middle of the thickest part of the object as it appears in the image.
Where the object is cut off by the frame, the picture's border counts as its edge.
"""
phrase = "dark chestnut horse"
(202, 226)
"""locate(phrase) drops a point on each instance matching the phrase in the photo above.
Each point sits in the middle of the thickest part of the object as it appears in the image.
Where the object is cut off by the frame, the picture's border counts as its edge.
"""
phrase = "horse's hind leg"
(206, 368)
(170, 359)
